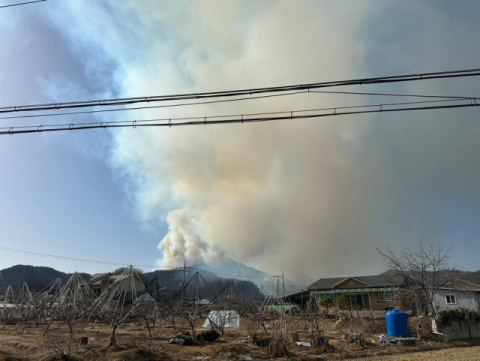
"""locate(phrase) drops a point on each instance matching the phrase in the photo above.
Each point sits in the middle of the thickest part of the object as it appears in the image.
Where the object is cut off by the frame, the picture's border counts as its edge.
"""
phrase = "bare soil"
(133, 343)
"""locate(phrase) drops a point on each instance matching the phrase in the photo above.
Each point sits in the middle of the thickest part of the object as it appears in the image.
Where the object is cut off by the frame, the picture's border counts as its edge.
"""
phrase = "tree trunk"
(148, 327)
(46, 328)
(113, 341)
(192, 326)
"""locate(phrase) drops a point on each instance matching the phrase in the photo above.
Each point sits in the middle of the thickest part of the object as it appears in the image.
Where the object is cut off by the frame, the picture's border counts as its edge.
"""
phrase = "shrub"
(458, 314)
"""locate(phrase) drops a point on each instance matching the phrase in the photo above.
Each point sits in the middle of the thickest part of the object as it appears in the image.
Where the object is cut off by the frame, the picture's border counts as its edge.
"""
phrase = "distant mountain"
(36, 277)
(229, 268)
(248, 281)
(201, 283)
(206, 284)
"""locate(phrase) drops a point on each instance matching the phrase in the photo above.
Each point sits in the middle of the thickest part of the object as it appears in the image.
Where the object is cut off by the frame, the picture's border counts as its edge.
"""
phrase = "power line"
(67, 247)
(390, 94)
(240, 118)
(47, 255)
(24, 3)
(246, 114)
(234, 93)
(234, 100)
(76, 259)
(150, 107)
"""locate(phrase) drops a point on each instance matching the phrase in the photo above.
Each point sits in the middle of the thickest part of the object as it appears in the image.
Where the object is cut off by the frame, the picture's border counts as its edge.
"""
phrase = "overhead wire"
(73, 248)
(233, 93)
(233, 100)
(47, 255)
(238, 118)
(147, 107)
(19, 4)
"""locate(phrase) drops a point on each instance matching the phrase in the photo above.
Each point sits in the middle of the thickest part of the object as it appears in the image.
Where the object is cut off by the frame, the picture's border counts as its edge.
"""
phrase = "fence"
(457, 329)
(371, 314)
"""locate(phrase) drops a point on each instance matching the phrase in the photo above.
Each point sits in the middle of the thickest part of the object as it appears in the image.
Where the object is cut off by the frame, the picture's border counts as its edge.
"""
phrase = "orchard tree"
(422, 270)
(326, 302)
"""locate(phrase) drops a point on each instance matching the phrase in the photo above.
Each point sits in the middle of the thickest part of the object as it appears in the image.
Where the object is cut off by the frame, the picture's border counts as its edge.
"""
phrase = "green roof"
(358, 290)
(280, 308)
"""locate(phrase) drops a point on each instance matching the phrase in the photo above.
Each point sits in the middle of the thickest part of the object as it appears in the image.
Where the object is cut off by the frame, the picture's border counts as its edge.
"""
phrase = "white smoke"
(181, 243)
(269, 195)
(312, 197)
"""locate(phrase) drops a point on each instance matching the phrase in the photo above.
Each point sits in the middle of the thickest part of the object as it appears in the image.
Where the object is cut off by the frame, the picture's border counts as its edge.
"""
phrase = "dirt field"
(456, 353)
(133, 343)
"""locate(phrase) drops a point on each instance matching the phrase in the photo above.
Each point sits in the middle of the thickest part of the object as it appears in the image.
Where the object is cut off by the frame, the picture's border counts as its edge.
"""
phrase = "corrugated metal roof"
(358, 290)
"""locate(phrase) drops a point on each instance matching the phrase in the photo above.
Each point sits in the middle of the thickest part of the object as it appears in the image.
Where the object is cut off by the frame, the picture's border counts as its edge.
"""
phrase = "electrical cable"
(390, 94)
(19, 4)
(73, 248)
(230, 119)
(75, 259)
(147, 107)
(234, 100)
(46, 255)
(246, 114)
(233, 93)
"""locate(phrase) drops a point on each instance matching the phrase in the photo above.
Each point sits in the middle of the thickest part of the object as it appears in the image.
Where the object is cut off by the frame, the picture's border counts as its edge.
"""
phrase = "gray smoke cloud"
(270, 195)
(311, 197)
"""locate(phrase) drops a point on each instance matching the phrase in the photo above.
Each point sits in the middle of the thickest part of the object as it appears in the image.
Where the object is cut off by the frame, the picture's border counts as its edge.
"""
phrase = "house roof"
(369, 281)
(462, 285)
(99, 277)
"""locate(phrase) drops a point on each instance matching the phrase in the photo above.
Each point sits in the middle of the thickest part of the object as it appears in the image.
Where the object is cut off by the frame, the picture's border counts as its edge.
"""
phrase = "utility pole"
(304, 309)
(183, 282)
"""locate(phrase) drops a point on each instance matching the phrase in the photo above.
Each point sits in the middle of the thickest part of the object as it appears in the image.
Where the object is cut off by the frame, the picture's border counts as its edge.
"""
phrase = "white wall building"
(458, 294)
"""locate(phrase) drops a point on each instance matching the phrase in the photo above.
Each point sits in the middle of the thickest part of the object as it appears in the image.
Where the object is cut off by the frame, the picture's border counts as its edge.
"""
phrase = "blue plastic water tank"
(397, 324)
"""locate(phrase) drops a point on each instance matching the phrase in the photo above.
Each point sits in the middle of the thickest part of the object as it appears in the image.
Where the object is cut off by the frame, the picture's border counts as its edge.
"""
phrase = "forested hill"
(203, 284)
(36, 277)
(206, 284)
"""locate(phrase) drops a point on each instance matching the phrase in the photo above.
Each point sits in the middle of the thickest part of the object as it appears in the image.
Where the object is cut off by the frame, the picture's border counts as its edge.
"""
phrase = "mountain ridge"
(36, 277)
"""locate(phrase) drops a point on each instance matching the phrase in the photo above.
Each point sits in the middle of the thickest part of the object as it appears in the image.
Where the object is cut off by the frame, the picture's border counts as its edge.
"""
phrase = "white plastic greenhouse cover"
(226, 319)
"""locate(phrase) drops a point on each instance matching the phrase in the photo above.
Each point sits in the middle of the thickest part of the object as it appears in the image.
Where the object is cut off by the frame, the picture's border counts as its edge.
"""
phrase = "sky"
(315, 198)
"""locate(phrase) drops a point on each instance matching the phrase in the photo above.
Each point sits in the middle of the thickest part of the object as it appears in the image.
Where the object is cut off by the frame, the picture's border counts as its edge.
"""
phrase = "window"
(97, 291)
(450, 299)
(384, 296)
(350, 300)
(319, 296)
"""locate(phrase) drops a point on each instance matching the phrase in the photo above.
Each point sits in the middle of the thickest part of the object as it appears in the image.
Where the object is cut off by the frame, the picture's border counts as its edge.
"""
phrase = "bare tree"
(423, 271)
(72, 304)
(120, 301)
(8, 305)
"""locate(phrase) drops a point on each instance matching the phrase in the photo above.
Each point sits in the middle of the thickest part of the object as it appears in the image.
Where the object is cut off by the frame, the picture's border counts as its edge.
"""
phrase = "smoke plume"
(181, 243)
(311, 197)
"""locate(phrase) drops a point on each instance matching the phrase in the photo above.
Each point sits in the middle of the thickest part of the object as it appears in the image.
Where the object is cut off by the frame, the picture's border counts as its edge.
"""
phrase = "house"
(457, 294)
(101, 282)
(365, 292)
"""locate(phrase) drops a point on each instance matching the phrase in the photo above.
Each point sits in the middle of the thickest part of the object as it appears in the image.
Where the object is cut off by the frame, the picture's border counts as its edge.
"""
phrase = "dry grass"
(277, 347)
(457, 354)
(133, 344)
(141, 355)
(5, 356)
(294, 336)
